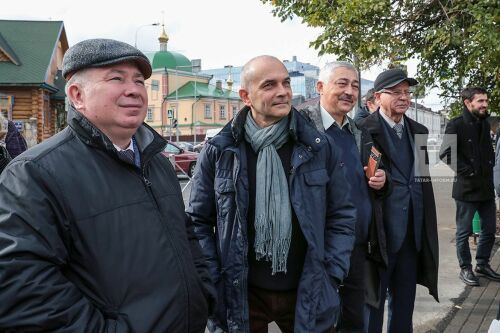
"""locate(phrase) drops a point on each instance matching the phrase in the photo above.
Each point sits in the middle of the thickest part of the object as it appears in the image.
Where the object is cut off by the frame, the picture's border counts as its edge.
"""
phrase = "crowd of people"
(306, 218)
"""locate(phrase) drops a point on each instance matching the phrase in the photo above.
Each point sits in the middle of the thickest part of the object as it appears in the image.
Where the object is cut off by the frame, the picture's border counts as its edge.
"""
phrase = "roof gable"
(32, 45)
(6, 51)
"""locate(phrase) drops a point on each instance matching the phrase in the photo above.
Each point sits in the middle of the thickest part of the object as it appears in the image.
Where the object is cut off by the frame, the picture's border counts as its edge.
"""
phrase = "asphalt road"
(428, 315)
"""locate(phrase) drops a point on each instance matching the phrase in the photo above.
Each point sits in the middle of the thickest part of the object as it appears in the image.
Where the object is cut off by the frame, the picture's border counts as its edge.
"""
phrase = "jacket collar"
(148, 140)
(373, 124)
(469, 117)
(313, 113)
(299, 128)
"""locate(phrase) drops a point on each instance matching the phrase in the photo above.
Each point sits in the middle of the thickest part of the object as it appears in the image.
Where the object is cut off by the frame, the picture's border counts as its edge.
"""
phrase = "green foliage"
(456, 42)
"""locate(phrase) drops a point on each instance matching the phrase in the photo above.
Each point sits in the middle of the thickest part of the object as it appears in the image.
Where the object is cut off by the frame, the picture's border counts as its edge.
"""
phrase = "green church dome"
(170, 60)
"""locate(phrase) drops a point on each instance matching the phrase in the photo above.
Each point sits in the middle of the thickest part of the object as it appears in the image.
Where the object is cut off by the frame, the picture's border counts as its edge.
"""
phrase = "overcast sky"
(219, 32)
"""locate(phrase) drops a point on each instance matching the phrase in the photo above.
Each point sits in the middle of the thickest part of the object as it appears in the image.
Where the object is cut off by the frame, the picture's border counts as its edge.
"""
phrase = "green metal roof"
(5, 49)
(202, 90)
(33, 43)
(60, 84)
(169, 59)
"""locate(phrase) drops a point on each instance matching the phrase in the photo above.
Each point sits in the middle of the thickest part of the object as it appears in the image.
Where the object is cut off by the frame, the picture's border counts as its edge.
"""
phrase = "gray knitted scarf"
(273, 213)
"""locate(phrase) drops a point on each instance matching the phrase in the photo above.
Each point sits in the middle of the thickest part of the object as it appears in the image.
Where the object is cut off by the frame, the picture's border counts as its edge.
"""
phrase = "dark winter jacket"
(14, 141)
(319, 195)
(89, 243)
(474, 160)
(428, 257)
(376, 247)
(361, 114)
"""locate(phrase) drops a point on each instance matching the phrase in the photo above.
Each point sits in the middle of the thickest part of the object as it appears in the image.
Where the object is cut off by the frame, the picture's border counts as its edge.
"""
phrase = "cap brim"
(411, 82)
(142, 63)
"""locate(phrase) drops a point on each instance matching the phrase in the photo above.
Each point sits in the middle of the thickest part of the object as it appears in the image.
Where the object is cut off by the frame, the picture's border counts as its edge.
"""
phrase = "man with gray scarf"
(272, 211)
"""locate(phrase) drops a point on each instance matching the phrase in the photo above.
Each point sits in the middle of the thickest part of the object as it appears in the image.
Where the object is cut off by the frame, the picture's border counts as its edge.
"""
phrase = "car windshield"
(172, 149)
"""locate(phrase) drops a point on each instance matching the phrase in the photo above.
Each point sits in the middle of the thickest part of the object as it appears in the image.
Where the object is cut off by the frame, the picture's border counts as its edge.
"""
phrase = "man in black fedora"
(409, 211)
(93, 234)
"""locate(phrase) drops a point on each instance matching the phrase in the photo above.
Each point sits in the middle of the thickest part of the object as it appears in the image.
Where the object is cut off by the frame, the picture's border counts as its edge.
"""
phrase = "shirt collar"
(130, 146)
(328, 120)
(389, 120)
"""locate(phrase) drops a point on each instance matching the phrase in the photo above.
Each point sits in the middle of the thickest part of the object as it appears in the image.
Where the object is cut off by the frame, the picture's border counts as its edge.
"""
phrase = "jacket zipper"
(149, 190)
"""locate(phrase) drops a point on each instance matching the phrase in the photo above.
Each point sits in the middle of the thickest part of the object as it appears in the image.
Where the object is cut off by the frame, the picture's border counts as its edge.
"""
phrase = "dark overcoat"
(428, 257)
(475, 157)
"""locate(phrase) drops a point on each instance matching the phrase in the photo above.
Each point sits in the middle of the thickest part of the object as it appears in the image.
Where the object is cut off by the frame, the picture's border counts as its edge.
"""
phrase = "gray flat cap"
(102, 52)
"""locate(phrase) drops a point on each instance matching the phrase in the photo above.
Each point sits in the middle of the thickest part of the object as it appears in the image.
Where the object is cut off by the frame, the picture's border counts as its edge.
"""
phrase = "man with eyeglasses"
(338, 86)
(409, 211)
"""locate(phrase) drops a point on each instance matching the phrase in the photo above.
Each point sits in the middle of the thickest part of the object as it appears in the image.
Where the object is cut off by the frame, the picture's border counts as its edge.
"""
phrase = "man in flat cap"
(409, 211)
(93, 234)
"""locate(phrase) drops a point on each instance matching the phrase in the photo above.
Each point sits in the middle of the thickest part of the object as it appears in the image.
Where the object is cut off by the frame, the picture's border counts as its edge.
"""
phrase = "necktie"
(398, 128)
(127, 155)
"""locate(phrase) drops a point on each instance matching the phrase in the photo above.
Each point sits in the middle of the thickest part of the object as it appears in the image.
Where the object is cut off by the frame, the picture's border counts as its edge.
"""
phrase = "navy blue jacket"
(320, 198)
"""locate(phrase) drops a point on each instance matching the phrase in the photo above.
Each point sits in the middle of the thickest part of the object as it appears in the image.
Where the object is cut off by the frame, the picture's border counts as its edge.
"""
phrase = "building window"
(155, 88)
(208, 111)
(222, 111)
(155, 85)
(149, 114)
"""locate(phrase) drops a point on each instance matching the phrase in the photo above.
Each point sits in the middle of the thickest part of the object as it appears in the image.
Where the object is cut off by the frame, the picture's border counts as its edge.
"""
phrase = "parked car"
(183, 161)
(185, 145)
(210, 133)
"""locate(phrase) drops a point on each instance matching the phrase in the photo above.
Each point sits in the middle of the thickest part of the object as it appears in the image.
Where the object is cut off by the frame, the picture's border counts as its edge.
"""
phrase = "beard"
(480, 115)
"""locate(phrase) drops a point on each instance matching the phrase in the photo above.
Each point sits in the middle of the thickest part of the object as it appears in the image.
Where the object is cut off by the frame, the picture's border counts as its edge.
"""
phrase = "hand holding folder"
(373, 162)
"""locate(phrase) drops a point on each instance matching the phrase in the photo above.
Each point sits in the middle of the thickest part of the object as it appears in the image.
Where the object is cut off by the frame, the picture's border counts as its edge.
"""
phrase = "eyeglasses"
(397, 93)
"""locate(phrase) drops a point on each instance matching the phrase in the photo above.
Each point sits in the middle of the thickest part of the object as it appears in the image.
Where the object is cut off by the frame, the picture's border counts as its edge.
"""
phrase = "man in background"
(369, 106)
(473, 189)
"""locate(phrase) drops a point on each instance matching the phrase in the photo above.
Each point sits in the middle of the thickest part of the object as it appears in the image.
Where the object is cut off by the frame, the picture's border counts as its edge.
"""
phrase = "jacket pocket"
(328, 306)
(316, 177)
(224, 193)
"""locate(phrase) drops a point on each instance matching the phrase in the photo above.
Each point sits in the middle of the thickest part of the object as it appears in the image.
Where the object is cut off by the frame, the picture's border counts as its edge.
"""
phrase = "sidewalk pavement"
(479, 307)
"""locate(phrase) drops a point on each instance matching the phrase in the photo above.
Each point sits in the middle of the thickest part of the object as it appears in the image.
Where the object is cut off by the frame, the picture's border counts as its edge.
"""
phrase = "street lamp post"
(142, 26)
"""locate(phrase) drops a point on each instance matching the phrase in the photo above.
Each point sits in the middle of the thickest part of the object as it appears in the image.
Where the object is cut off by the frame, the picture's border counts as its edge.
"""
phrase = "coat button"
(318, 140)
(292, 170)
(309, 148)
(236, 282)
(300, 156)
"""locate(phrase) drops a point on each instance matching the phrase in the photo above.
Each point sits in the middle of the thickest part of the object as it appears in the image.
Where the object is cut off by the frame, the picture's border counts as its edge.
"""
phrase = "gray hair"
(79, 77)
(329, 68)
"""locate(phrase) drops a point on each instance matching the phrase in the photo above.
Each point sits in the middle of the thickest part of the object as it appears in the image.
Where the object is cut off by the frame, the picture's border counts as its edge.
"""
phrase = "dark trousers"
(399, 281)
(352, 294)
(465, 213)
(266, 306)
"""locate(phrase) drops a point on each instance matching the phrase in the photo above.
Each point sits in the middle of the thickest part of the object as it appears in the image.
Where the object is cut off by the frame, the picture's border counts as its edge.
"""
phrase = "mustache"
(346, 98)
